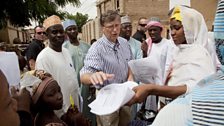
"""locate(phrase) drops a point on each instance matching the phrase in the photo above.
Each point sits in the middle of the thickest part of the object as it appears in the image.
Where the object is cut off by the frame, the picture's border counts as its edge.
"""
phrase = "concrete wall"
(207, 8)
(9, 33)
(146, 8)
(4, 35)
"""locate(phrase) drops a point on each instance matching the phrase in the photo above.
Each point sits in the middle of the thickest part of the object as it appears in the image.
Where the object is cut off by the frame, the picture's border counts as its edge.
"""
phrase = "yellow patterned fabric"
(50, 21)
(176, 14)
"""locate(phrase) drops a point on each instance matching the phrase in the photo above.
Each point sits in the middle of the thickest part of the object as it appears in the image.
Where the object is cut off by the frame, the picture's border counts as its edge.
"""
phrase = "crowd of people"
(179, 79)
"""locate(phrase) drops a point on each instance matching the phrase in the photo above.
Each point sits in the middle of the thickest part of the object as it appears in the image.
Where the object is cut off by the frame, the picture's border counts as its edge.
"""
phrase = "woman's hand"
(141, 93)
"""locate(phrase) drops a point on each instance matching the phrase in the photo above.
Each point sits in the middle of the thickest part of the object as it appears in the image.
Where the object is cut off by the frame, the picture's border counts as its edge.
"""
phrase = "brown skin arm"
(142, 91)
(130, 75)
(144, 47)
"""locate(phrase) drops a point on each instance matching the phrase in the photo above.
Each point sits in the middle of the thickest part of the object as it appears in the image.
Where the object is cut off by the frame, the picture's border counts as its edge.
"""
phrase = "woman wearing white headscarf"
(191, 63)
(204, 105)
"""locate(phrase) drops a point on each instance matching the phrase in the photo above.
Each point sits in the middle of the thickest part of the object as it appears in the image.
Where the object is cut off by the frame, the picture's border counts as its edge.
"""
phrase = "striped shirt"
(204, 106)
(208, 101)
(109, 57)
(219, 20)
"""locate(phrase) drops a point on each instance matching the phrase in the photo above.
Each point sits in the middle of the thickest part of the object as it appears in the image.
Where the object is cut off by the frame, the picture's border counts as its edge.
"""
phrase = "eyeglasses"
(143, 25)
(39, 33)
(111, 27)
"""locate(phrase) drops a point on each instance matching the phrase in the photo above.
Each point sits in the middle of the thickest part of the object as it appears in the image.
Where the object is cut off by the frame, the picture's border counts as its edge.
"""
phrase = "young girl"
(47, 97)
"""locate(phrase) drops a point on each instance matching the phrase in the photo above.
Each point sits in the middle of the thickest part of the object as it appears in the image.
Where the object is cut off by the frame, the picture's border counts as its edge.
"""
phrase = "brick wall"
(150, 8)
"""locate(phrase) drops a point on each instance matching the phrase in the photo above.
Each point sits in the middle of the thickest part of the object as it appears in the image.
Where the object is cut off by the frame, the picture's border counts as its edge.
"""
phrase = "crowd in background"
(180, 80)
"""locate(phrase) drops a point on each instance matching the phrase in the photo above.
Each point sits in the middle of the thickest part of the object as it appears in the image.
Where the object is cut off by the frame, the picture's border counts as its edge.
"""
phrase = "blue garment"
(78, 54)
(219, 21)
(204, 106)
(135, 48)
(208, 100)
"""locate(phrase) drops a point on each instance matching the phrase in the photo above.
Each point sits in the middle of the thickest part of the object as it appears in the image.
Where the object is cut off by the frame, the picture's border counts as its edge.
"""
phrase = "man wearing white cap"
(126, 31)
(57, 61)
(78, 50)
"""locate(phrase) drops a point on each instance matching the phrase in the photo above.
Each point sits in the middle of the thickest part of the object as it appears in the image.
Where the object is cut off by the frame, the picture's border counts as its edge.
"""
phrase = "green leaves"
(20, 12)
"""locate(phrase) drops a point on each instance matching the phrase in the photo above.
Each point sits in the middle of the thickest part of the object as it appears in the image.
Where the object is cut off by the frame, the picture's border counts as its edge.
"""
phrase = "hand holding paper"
(110, 98)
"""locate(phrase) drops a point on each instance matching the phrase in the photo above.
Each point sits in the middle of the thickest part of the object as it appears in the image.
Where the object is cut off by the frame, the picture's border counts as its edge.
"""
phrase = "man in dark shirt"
(140, 33)
(35, 46)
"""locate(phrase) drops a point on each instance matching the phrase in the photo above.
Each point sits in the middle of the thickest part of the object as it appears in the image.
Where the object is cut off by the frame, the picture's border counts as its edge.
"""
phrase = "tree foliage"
(20, 12)
(79, 18)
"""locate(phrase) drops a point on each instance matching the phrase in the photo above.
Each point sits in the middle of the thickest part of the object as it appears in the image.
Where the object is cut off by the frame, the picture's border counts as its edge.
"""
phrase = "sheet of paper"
(10, 67)
(146, 70)
(110, 98)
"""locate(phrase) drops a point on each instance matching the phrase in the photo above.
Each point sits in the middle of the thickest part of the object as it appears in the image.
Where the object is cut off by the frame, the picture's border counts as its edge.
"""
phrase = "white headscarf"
(194, 25)
(196, 31)
(193, 61)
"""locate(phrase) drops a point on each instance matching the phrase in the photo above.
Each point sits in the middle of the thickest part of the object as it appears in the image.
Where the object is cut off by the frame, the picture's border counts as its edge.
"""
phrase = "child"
(47, 97)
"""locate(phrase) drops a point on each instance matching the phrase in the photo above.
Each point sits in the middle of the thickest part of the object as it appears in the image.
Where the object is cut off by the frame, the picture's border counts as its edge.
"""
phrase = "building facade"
(9, 33)
(144, 8)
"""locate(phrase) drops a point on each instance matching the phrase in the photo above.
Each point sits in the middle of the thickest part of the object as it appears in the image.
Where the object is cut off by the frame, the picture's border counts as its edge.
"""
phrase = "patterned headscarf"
(219, 31)
(176, 14)
(154, 23)
(50, 21)
(36, 83)
(125, 19)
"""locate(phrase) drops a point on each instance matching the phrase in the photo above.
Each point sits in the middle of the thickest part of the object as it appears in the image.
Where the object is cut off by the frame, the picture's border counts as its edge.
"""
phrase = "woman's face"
(52, 96)
(177, 32)
(8, 105)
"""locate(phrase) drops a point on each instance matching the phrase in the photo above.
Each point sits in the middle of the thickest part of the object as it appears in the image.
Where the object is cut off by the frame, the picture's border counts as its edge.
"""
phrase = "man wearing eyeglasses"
(126, 31)
(140, 33)
(107, 62)
(35, 46)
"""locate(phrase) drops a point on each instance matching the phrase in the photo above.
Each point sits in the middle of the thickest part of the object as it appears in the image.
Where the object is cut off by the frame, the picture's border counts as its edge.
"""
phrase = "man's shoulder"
(168, 42)
(123, 41)
(65, 51)
(44, 52)
(136, 33)
(85, 44)
(135, 40)
(33, 44)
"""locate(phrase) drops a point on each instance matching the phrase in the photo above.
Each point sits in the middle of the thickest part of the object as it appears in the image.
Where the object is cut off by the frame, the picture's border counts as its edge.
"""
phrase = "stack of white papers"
(9, 65)
(112, 97)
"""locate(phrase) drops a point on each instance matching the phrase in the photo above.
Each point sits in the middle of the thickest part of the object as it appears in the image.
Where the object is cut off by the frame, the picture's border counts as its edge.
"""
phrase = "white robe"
(60, 66)
(152, 69)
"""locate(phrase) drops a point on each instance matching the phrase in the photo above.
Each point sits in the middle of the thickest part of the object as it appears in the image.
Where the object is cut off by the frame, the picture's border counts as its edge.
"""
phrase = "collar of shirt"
(110, 44)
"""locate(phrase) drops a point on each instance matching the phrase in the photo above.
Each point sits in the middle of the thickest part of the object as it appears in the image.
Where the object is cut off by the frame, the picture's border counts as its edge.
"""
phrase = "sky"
(87, 7)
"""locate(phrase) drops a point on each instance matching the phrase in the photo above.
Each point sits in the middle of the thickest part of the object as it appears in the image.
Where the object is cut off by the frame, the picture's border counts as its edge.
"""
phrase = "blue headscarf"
(219, 31)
